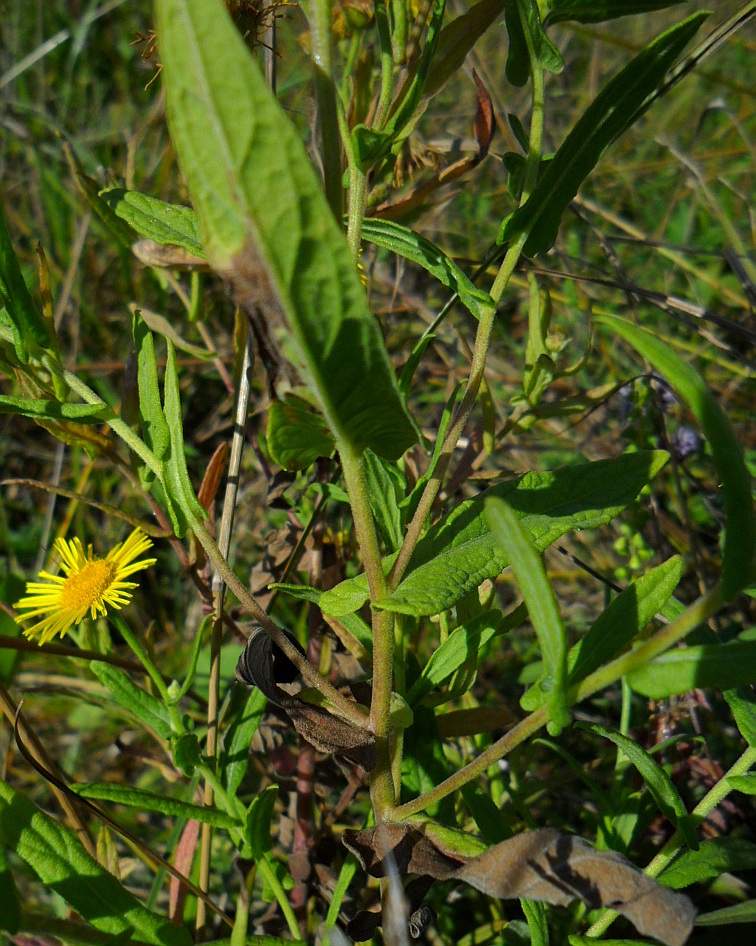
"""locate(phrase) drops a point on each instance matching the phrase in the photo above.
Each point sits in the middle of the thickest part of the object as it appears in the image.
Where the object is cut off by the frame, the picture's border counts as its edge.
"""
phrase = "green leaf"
(265, 220)
(740, 538)
(55, 410)
(150, 801)
(538, 595)
(619, 104)
(405, 242)
(457, 39)
(424, 763)
(239, 738)
(186, 752)
(161, 325)
(136, 701)
(743, 706)
(156, 220)
(713, 858)
(258, 823)
(689, 668)
(29, 328)
(538, 921)
(462, 645)
(743, 783)
(154, 425)
(355, 626)
(616, 627)
(297, 434)
(657, 781)
(460, 552)
(739, 913)
(386, 491)
(176, 480)
(64, 867)
(597, 11)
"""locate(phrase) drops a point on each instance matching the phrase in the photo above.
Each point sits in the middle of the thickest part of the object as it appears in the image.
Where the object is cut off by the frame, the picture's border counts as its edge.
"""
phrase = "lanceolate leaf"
(267, 227)
(596, 11)
(55, 410)
(460, 552)
(539, 597)
(712, 858)
(150, 801)
(709, 665)
(458, 38)
(611, 113)
(740, 538)
(657, 781)
(134, 699)
(56, 856)
(404, 241)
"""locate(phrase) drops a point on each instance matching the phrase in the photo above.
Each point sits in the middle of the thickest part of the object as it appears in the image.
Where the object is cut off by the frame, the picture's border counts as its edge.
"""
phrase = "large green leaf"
(55, 854)
(689, 668)
(460, 552)
(596, 11)
(611, 113)
(740, 538)
(267, 227)
(405, 242)
(713, 857)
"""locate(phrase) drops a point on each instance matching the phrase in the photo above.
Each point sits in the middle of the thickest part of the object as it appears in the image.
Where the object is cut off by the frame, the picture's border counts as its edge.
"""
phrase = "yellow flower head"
(89, 584)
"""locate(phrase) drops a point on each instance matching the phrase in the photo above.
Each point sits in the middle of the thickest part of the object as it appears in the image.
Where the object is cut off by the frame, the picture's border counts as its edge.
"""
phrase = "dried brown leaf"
(558, 868)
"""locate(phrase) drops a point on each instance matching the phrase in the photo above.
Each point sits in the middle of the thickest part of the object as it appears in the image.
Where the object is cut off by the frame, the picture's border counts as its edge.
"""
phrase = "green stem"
(267, 871)
(381, 782)
(387, 63)
(399, 33)
(703, 809)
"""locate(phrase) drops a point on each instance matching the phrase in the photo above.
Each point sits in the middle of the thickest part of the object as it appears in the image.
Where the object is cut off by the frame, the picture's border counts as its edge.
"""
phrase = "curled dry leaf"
(264, 665)
(547, 865)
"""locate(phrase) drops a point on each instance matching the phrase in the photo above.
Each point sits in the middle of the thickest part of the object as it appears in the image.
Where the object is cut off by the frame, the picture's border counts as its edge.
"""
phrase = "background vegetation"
(660, 234)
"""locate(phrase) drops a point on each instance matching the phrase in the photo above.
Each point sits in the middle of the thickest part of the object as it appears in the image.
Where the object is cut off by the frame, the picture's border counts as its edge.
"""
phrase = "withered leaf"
(556, 867)
(332, 735)
(264, 665)
(407, 847)
(547, 865)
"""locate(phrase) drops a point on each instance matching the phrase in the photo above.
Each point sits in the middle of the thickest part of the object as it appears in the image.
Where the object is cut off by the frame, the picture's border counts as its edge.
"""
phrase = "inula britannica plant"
(376, 507)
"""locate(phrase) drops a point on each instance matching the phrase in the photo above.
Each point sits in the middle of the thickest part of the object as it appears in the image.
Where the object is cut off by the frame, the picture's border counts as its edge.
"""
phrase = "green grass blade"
(597, 11)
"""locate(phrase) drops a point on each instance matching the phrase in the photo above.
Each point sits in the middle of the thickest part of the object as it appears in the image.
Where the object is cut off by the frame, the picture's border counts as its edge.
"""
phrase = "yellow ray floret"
(88, 585)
